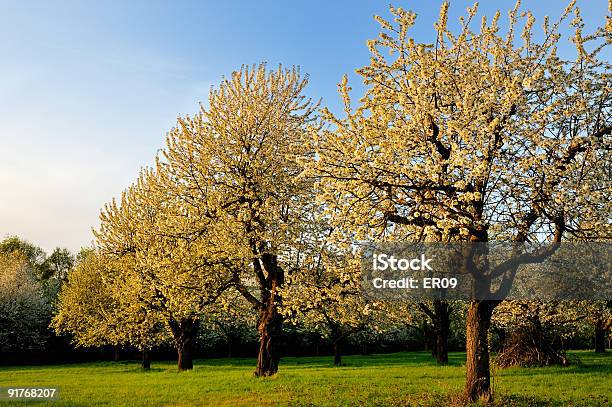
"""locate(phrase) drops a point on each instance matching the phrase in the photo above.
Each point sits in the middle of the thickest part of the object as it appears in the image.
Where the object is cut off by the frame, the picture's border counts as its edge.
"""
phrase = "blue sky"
(89, 89)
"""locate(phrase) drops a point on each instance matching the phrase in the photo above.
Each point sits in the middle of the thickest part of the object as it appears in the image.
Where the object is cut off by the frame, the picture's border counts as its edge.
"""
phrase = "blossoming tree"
(477, 136)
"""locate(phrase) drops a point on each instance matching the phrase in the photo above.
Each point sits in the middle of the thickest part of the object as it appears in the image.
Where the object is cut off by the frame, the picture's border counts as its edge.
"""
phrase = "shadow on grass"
(578, 367)
(402, 358)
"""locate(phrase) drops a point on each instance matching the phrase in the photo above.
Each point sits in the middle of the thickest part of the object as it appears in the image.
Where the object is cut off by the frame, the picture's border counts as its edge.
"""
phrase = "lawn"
(410, 378)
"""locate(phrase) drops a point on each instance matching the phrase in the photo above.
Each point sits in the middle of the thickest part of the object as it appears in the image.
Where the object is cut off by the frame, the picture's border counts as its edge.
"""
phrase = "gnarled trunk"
(146, 360)
(270, 328)
(436, 336)
(185, 333)
(478, 377)
(270, 323)
(441, 330)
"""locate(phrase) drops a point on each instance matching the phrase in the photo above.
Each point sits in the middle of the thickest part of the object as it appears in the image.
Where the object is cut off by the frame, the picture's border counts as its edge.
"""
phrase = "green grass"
(393, 379)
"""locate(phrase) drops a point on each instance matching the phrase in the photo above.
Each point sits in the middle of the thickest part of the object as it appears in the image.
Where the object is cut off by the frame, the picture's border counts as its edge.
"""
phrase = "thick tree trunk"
(441, 348)
(146, 359)
(337, 354)
(185, 333)
(436, 336)
(270, 328)
(600, 336)
(478, 376)
(270, 322)
(116, 354)
(441, 330)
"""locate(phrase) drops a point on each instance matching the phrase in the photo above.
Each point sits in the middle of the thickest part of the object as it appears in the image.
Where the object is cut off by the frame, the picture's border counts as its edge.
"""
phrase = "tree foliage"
(98, 306)
(24, 309)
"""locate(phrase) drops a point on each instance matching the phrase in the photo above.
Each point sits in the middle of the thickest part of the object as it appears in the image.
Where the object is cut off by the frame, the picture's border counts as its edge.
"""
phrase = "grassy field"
(391, 379)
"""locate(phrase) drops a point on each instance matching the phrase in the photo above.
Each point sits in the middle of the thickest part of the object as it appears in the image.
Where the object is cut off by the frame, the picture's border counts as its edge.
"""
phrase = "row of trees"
(475, 137)
(28, 302)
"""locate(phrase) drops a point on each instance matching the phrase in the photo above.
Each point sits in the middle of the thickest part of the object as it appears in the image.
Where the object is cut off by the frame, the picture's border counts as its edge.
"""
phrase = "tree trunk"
(185, 332)
(270, 330)
(441, 348)
(337, 355)
(427, 338)
(146, 359)
(442, 330)
(600, 336)
(478, 376)
(270, 322)
(116, 355)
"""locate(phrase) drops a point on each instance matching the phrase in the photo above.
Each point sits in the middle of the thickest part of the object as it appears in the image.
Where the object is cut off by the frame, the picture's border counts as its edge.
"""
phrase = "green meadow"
(408, 378)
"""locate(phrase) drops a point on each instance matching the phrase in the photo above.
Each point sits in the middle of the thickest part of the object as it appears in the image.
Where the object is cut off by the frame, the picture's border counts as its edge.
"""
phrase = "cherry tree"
(477, 136)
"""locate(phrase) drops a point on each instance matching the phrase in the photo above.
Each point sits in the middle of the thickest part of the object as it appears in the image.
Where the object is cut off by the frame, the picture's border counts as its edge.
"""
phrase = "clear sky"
(89, 89)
